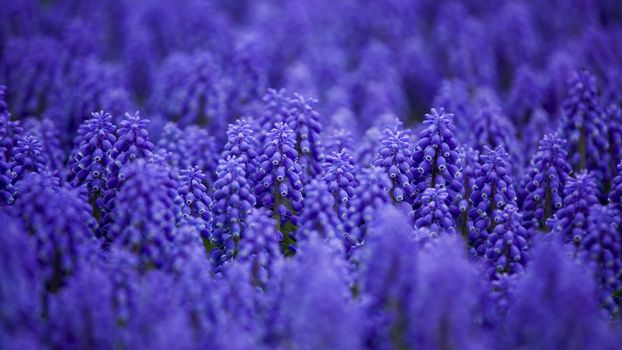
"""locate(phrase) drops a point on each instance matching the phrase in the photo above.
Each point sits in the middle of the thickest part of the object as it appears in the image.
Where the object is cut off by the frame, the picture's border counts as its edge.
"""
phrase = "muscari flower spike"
(433, 212)
(583, 126)
(196, 203)
(395, 157)
(276, 109)
(571, 221)
(546, 178)
(507, 247)
(278, 181)
(89, 160)
(436, 158)
(304, 121)
(188, 147)
(454, 96)
(492, 129)
(28, 157)
(242, 144)
(259, 248)
(233, 201)
(339, 174)
(601, 250)
(144, 214)
(471, 165)
(492, 191)
(318, 218)
(615, 196)
(614, 132)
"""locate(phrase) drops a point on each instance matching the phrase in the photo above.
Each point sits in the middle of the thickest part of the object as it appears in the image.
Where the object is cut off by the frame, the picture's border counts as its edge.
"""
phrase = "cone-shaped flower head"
(580, 194)
(433, 212)
(233, 201)
(51, 138)
(304, 121)
(278, 180)
(260, 246)
(507, 248)
(28, 157)
(436, 158)
(546, 178)
(144, 213)
(492, 191)
(601, 250)
(395, 157)
(470, 170)
(318, 217)
(615, 196)
(492, 129)
(242, 144)
(276, 109)
(340, 176)
(196, 203)
(583, 125)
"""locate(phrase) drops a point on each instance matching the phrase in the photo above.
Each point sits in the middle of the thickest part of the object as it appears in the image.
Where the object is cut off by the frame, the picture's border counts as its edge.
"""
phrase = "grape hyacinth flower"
(304, 121)
(613, 114)
(341, 179)
(27, 157)
(395, 157)
(276, 109)
(492, 191)
(583, 126)
(260, 246)
(278, 181)
(371, 195)
(191, 147)
(196, 203)
(436, 157)
(6, 189)
(492, 129)
(546, 178)
(615, 196)
(471, 165)
(507, 248)
(144, 214)
(10, 130)
(48, 133)
(233, 201)
(89, 161)
(580, 195)
(242, 145)
(453, 95)
(601, 250)
(318, 218)
(433, 212)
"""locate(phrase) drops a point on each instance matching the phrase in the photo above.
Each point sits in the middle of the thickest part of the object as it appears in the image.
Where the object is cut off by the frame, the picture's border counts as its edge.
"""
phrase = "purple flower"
(339, 174)
(525, 96)
(470, 170)
(50, 136)
(546, 178)
(144, 213)
(434, 213)
(196, 203)
(371, 194)
(395, 157)
(601, 250)
(259, 248)
(492, 191)
(492, 129)
(276, 109)
(233, 201)
(91, 157)
(304, 121)
(278, 180)
(615, 196)
(436, 158)
(571, 221)
(453, 95)
(583, 126)
(318, 217)
(507, 247)
(242, 144)
(613, 116)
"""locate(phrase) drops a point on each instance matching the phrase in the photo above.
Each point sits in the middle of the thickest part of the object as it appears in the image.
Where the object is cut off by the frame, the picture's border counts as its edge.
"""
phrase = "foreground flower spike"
(319, 218)
(313, 317)
(144, 214)
(470, 170)
(447, 298)
(59, 220)
(436, 158)
(260, 246)
(340, 177)
(546, 178)
(601, 250)
(507, 248)
(242, 144)
(304, 121)
(492, 191)
(583, 126)
(28, 157)
(91, 157)
(370, 195)
(540, 317)
(233, 201)
(395, 157)
(434, 213)
(21, 289)
(278, 181)
(571, 221)
(196, 202)
(388, 271)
